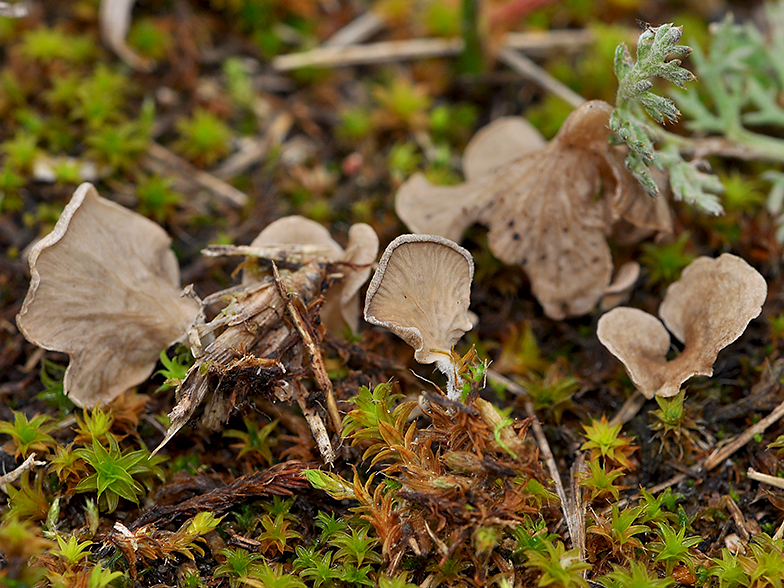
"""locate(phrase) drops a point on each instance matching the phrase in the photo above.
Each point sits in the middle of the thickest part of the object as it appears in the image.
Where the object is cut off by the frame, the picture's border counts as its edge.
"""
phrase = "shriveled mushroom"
(421, 291)
(707, 309)
(105, 290)
(548, 208)
(342, 302)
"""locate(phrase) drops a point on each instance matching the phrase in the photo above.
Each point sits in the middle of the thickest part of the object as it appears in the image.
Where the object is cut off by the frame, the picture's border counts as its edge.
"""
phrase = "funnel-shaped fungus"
(105, 290)
(421, 291)
(341, 302)
(707, 309)
(548, 208)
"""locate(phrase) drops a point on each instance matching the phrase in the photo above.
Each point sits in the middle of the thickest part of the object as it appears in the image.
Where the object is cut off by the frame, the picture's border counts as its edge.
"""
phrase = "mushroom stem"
(454, 382)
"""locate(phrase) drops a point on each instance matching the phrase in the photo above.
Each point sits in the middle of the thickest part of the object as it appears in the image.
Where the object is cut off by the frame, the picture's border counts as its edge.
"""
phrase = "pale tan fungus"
(708, 308)
(622, 285)
(361, 252)
(641, 342)
(426, 209)
(342, 302)
(548, 208)
(105, 290)
(421, 292)
(515, 136)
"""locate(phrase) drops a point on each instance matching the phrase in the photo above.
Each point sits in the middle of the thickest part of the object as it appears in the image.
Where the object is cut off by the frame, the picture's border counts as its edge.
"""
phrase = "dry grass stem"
(357, 31)
(569, 508)
(240, 162)
(27, 464)
(392, 51)
(529, 70)
(722, 453)
(765, 478)
(160, 160)
(629, 409)
(740, 521)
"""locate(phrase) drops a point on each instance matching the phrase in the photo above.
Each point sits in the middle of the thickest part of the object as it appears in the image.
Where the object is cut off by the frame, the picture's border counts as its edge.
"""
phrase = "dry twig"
(529, 70)
(392, 51)
(357, 31)
(765, 478)
(629, 409)
(27, 464)
(311, 347)
(160, 160)
(244, 159)
(569, 507)
(722, 453)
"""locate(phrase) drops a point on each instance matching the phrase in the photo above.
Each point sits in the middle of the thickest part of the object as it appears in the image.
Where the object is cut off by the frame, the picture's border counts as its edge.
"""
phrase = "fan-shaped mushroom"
(421, 291)
(105, 290)
(707, 309)
(548, 208)
(341, 302)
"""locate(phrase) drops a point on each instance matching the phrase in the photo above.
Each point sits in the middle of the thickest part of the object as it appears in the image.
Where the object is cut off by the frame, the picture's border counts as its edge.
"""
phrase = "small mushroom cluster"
(421, 291)
(548, 207)
(707, 309)
(105, 289)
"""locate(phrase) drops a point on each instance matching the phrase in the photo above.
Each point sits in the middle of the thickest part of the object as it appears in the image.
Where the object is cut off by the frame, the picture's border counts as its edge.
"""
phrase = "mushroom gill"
(421, 291)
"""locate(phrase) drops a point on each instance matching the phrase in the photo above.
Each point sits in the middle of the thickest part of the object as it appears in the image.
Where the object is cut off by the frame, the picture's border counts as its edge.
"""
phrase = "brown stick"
(161, 160)
(737, 516)
(317, 362)
(629, 409)
(568, 507)
(765, 478)
(27, 464)
(529, 70)
(722, 453)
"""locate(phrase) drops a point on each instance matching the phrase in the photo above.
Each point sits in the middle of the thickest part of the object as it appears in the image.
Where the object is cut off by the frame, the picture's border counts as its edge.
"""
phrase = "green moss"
(150, 38)
(204, 137)
(48, 45)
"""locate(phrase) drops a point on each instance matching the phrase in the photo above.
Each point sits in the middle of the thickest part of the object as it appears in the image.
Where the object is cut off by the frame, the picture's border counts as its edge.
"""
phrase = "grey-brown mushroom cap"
(342, 303)
(438, 210)
(641, 342)
(543, 216)
(295, 230)
(622, 285)
(498, 143)
(542, 210)
(361, 252)
(713, 302)
(587, 127)
(449, 210)
(707, 309)
(105, 290)
(421, 291)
